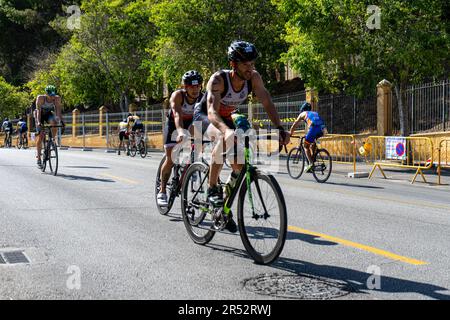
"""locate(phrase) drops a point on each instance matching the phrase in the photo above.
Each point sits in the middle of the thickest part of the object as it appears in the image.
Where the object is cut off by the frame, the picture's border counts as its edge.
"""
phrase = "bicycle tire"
(133, 151)
(201, 171)
(53, 157)
(25, 142)
(44, 156)
(143, 149)
(169, 188)
(296, 157)
(320, 167)
(18, 144)
(244, 223)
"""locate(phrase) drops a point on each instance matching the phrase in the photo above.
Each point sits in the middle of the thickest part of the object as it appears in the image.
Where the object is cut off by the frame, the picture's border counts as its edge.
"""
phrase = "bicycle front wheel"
(262, 218)
(295, 162)
(194, 206)
(52, 157)
(322, 165)
(133, 151)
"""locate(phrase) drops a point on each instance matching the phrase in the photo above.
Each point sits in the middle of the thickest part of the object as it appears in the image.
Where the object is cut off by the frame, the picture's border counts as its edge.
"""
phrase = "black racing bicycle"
(261, 209)
(322, 162)
(22, 141)
(137, 144)
(49, 151)
(173, 187)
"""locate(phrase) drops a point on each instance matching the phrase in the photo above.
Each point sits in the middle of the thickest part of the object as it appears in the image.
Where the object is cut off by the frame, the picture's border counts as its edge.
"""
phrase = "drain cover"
(297, 287)
(14, 257)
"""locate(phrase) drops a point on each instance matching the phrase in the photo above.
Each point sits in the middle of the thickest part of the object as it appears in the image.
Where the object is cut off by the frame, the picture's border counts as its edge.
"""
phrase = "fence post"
(107, 130)
(384, 108)
(101, 110)
(75, 114)
(84, 131)
(443, 105)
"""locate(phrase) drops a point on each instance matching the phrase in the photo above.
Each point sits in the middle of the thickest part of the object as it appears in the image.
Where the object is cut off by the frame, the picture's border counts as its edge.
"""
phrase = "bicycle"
(260, 229)
(322, 162)
(173, 187)
(137, 143)
(49, 150)
(22, 141)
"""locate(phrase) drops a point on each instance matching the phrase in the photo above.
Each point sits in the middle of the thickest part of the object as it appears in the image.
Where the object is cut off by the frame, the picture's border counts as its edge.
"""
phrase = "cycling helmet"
(240, 51)
(305, 106)
(6, 119)
(192, 78)
(50, 90)
(20, 119)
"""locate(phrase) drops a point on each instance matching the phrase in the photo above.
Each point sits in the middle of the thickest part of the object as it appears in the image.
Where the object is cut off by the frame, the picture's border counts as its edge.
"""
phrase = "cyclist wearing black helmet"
(22, 129)
(227, 89)
(179, 119)
(7, 127)
(48, 110)
(315, 129)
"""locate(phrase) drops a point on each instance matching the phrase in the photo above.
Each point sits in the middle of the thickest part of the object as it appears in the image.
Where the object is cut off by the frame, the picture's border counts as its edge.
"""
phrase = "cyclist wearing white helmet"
(179, 119)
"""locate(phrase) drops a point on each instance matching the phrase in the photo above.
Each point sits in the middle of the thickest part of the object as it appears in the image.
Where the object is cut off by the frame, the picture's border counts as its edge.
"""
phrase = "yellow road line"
(119, 178)
(380, 252)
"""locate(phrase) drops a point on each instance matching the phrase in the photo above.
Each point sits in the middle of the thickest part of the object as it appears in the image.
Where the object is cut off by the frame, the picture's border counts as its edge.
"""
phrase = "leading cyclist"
(227, 89)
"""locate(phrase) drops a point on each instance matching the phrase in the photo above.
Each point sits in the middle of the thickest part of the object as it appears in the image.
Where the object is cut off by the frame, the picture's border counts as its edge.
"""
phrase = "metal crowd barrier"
(443, 162)
(417, 154)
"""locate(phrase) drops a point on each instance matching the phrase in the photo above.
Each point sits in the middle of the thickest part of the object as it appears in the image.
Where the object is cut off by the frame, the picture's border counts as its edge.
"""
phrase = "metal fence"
(348, 114)
(427, 107)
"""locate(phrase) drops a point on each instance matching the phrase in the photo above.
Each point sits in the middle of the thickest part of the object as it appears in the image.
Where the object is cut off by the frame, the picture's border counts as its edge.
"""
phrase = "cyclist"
(179, 119)
(7, 127)
(48, 110)
(22, 129)
(315, 130)
(227, 89)
(122, 130)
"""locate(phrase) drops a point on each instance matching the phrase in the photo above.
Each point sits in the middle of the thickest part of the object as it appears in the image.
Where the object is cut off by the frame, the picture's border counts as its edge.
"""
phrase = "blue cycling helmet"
(305, 106)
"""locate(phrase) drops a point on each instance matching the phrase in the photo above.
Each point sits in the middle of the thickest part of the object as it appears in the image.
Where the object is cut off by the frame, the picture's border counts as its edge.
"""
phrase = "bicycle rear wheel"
(322, 165)
(142, 149)
(25, 142)
(194, 206)
(262, 218)
(53, 157)
(18, 144)
(169, 190)
(295, 162)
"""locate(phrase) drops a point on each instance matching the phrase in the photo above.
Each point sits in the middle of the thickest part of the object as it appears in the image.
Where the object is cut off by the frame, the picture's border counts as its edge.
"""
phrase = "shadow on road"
(356, 280)
(354, 185)
(309, 238)
(72, 177)
(85, 167)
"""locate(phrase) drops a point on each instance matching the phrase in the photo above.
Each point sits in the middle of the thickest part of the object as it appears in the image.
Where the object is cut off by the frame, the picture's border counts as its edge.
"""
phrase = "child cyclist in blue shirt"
(315, 129)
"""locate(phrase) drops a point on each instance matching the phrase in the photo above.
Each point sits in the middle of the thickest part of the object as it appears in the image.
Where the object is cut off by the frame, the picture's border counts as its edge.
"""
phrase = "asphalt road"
(96, 222)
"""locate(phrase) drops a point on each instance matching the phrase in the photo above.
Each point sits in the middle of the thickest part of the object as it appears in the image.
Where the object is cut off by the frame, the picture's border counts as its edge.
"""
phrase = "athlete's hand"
(180, 137)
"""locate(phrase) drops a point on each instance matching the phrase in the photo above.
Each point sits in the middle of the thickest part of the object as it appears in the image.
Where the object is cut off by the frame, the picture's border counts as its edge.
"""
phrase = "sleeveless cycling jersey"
(231, 98)
(313, 119)
(188, 109)
(123, 126)
(48, 107)
(22, 124)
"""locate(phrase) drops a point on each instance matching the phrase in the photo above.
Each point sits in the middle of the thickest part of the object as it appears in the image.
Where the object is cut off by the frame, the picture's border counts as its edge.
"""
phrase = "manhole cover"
(14, 257)
(297, 287)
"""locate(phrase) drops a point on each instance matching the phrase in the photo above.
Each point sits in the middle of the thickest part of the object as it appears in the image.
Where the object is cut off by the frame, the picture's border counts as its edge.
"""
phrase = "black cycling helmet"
(6, 119)
(192, 78)
(305, 106)
(241, 51)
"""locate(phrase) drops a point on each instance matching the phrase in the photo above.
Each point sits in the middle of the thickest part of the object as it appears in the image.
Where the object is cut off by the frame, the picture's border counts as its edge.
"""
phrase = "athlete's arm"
(38, 110)
(176, 100)
(215, 89)
(263, 95)
(299, 119)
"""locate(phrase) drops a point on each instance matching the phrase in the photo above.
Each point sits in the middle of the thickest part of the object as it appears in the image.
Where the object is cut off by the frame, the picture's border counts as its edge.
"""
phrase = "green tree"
(333, 48)
(195, 34)
(12, 101)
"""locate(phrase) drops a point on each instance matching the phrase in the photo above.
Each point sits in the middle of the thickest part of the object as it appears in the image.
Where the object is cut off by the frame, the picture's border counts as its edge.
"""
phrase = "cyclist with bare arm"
(48, 110)
(227, 89)
(179, 119)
